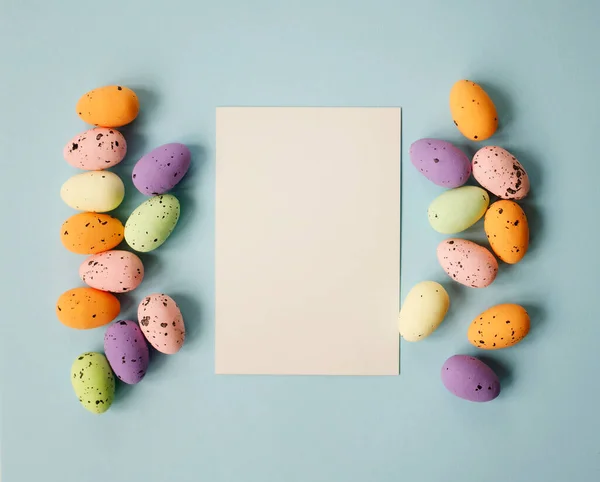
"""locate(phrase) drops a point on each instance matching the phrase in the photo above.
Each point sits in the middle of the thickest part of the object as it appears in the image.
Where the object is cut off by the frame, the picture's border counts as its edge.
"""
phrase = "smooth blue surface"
(539, 60)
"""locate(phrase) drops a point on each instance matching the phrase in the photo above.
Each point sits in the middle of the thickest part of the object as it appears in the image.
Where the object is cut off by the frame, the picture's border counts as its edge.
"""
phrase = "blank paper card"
(307, 240)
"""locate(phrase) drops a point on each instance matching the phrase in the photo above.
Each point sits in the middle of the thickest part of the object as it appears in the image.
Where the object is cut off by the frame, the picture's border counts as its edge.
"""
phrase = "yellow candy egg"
(473, 111)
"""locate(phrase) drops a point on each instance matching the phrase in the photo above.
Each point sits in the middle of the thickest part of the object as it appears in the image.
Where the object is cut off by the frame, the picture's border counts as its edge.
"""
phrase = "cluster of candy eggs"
(497, 171)
(107, 271)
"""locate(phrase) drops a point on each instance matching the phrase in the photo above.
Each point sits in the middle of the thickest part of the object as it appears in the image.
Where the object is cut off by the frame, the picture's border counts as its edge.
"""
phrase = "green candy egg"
(458, 209)
(152, 222)
(93, 382)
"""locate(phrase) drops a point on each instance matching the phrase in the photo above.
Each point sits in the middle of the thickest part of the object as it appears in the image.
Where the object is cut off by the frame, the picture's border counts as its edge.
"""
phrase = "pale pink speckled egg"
(116, 271)
(467, 262)
(500, 172)
(161, 323)
(96, 149)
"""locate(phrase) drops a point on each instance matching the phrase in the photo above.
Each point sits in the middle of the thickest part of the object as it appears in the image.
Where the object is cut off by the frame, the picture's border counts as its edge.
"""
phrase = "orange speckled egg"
(473, 111)
(91, 233)
(85, 308)
(498, 327)
(507, 230)
(108, 106)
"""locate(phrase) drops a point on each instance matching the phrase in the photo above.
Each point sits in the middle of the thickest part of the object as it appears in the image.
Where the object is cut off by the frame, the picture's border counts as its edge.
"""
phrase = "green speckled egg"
(152, 223)
(93, 382)
(458, 209)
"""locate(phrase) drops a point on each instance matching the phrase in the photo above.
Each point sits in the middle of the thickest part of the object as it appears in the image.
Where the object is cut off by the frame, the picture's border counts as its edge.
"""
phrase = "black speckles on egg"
(500, 172)
(467, 262)
(127, 351)
(92, 150)
(115, 271)
(161, 169)
(93, 382)
(151, 223)
(162, 323)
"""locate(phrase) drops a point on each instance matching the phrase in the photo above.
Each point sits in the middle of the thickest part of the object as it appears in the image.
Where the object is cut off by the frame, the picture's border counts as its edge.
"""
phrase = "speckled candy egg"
(93, 382)
(116, 271)
(161, 322)
(96, 149)
(500, 172)
(90, 233)
(473, 111)
(507, 231)
(161, 169)
(440, 162)
(127, 351)
(467, 263)
(469, 378)
(86, 308)
(149, 226)
(96, 192)
(423, 310)
(499, 327)
(457, 209)
(108, 106)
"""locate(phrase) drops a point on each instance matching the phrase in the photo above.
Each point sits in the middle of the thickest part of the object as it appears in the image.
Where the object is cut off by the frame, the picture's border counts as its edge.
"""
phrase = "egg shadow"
(504, 372)
(123, 391)
(128, 303)
(505, 273)
(149, 104)
(530, 206)
(157, 361)
(457, 294)
(475, 233)
(191, 311)
(503, 102)
(537, 315)
(152, 265)
(187, 193)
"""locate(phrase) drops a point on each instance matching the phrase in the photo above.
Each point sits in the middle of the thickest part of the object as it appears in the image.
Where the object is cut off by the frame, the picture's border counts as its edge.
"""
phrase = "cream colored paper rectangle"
(307, 240)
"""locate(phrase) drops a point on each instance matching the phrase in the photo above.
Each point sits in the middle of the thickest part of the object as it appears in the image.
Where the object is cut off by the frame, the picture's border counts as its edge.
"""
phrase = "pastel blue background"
(538, 60)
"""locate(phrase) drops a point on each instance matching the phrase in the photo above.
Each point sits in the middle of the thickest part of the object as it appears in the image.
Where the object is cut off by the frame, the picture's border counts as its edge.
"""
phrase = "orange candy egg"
(108, 106)
(86, 308)
(499, 327)
(91, 233)
(473, 111)
(507, 230)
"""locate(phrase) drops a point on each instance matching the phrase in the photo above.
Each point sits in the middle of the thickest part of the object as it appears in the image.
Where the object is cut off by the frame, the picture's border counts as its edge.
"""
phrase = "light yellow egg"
(423, 310)
(94, 191)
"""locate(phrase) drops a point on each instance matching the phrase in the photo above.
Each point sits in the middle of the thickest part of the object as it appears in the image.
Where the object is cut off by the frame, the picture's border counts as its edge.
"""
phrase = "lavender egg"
(441, 162)
(469, 378)
(161, 169)
(126, 350)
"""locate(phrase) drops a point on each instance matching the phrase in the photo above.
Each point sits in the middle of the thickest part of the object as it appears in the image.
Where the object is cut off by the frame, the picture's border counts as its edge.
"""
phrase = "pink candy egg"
(467, 263)
(116, 271)
(161, 322)
(500, 172)
(96, 149)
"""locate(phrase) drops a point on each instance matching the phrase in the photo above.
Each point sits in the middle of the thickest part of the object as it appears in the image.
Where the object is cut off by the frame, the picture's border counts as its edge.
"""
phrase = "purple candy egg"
(441, 162)
(126, 350)
(469, 378)
(161, 169)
